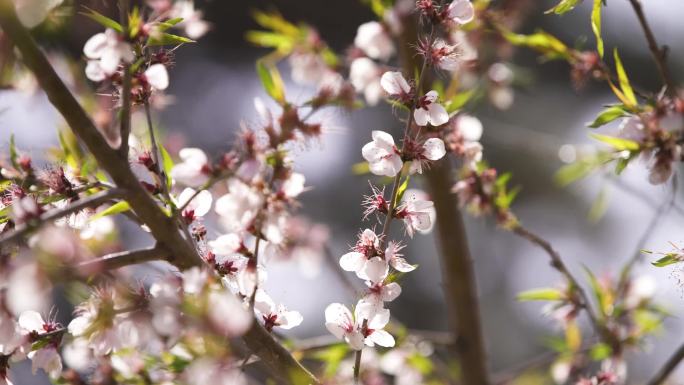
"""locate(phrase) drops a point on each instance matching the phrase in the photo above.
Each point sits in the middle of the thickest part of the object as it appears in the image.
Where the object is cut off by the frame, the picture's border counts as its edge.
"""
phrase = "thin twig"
(91, 201)
(558, 264)
(669, 367)
(126, 87)
(357, 367)
(659, 54)
(125, 258)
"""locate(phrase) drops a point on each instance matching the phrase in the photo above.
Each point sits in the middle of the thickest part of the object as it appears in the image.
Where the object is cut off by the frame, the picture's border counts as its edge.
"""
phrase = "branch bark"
(91, 201)
(125, 258)
(659, 54)
(668, 368)
(164, 229)
(460, 288)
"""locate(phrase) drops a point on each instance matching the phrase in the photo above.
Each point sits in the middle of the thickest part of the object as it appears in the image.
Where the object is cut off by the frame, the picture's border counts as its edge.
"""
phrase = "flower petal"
(433, 149)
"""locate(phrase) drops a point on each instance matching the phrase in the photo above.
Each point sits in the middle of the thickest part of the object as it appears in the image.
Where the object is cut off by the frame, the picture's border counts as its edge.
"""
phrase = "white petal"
(31, 321)
(290, 319)
(294, 185)
(438, 114)
(226, 244)
(379, 319)
(401, 265)
(263, 303)
(374, 270)
(110, 60)
(433, 149)
(394, 83)
(382, 338)
(352, 261)
(94, 71)
(383, 139)
(338, 314)
(95, 46)
(193, 155)
(355, 340)
(391, 291)
(202, 203)
(335, 329)
(470, 127)
(461, 11)
(421, 116)
(157, 76)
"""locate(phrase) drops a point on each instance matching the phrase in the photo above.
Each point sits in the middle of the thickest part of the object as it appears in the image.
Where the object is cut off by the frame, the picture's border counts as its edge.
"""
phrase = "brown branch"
(163, 228)
(558, 264)
(659, 54)
(89, 202)
(125, 112)
(460, 289)
(668, 368)
(125, 258)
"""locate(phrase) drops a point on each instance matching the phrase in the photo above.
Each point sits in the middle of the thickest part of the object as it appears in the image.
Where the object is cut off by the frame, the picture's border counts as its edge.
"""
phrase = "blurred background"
(214, 84)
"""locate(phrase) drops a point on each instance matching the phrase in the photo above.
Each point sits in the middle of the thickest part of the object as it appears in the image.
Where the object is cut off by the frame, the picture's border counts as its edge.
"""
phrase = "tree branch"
(91, 201)
(659, 54)
(668, 368)
(125, 258)
(163, 228)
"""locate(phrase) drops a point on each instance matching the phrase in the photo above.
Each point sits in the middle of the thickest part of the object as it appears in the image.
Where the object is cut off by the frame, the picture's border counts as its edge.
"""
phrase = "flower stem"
(357, 367)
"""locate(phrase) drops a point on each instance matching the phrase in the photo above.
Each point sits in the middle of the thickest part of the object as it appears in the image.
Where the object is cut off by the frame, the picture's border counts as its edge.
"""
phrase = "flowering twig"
(668, 368)
(125, 258)
(458, 273)
(88, 202)
(659, 54)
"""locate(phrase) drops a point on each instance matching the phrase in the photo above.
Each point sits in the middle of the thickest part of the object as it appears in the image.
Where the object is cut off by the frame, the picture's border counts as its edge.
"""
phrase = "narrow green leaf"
(542, 294)
(271, 81)
(596, 25)
(668, 259)
(167, 164)
(598, 291)
(624, 80)
(164, 25)
(608, 115)
(114, 209)
(402, 188)
(619, 144)
(168, 39)
(103, 20)
(600, 351)
(541, 41)
(564, 6)
(599, 206)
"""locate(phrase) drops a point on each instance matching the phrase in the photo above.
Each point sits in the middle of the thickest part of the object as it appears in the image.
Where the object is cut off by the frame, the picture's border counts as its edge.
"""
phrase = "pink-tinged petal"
(433, 149)
(461, 11)
(157, 76)
(379, 320)
(438, 114)
(193, 155)
(421, 117)
(401, 265)
(416, 167)
(31, 321)
(394, 83)
(94, 71)
(421, 221)
(290, 319)
(263, 303)
(355, 340)
(372, 153)
(390, 291)
(432, 96)
(470, 127)
(383, 139)
(335, 329)
(352, 261)
(225, 244)
(338, 319)
(95, 46)
(388, 166)
(374, 270)
(382, 338)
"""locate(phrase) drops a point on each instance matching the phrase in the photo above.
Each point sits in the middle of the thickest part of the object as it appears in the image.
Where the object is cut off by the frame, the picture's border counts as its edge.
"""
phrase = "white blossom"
(193, 168)
(239, 207)
(461, 11)
(275, 315)
(394, 84)
(105, 51)
(382, 155)
(429, 111)
(364, 75)
(373, 39)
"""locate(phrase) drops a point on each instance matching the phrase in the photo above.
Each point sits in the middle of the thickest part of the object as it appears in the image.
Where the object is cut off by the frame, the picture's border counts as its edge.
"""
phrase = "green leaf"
(541, 41)
(459, 100)
(420, 363)
(668, 259)
(275, 22)
(596, 25)
(168, 39)
(581, 168)
(599, 206)
(600, 351)
(402, 189)
(542, 294)
(619, 144)
(164, 25)
(624, 80)
(609, 114)
(103, 20)
(564, 6)
(167, 164)
(280, 42)
(271, 80)
(332, 356)
(599, 293)
(360, 168)
(117, 208)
